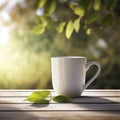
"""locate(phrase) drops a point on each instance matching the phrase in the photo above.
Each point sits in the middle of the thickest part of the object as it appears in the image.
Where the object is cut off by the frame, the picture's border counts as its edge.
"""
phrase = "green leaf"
(92, 19)
(85, 4)
(110, 4)
(79, 11)
(39, 29)
(107, 20)
(39, 101)
(62, 1)
(62, 99)
(97, 4)
(50, 7)
(88, 31)
(77, 25)
(42, 3)
(37, 19)
(69, 29)
(45, 20)
(61, 27)
(72, 5)
(38, 96)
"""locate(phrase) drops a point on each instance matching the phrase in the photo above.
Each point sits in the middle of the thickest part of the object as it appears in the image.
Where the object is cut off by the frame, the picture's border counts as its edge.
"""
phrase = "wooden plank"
(101, 93)
(92, 105)
(104, 90)
(85, 93)
(57, 107)
(71, 115)
(86, 99)
(30, 90)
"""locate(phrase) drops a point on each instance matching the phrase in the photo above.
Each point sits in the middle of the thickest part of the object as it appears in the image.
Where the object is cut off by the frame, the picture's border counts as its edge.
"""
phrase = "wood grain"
(92, 105)
(82, 99)
(71, 115)
(85, 93)
(59, 107)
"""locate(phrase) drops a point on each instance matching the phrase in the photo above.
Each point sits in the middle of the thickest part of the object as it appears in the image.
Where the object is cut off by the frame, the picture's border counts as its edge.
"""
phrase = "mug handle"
(95, 76)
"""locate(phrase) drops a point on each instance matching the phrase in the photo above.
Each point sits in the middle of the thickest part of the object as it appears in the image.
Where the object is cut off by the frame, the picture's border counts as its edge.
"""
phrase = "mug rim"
(62, 57)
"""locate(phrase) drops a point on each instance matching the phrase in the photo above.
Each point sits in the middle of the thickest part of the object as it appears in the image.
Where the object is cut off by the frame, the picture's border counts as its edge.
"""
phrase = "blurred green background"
(25, 58)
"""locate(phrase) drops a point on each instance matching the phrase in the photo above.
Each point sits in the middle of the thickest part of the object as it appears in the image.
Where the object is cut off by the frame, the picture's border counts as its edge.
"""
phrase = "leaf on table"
(38, 97)
(40, 101)
(62, 99)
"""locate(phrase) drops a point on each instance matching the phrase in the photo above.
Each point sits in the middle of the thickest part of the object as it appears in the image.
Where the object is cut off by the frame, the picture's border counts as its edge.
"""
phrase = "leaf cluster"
(87, 11)
(44, 97)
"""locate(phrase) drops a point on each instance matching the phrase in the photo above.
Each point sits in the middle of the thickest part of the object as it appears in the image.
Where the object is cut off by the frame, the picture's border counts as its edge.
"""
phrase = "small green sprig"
(62, 99)
(44, 97)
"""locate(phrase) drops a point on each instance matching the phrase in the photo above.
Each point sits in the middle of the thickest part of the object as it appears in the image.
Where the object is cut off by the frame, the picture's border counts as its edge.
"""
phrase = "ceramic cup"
(69, 73)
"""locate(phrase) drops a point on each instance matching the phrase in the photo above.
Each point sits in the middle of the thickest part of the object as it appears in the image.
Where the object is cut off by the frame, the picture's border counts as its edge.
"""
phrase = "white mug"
(69, 73)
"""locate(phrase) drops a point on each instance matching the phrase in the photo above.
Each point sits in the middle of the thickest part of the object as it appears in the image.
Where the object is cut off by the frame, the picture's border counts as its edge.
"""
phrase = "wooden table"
(92, 105)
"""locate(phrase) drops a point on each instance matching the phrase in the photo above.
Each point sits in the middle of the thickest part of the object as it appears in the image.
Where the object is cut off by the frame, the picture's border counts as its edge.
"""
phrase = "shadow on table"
(9, 112)
(39, 105)
(98, 104)
(88, 103)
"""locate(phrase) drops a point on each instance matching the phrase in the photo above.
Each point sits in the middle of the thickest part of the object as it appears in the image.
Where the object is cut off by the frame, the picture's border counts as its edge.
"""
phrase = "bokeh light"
(4, 37)
(25, 58)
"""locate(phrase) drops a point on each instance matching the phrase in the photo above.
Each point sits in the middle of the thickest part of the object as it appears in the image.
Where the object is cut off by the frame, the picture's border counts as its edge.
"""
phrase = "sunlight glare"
(4, 37)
